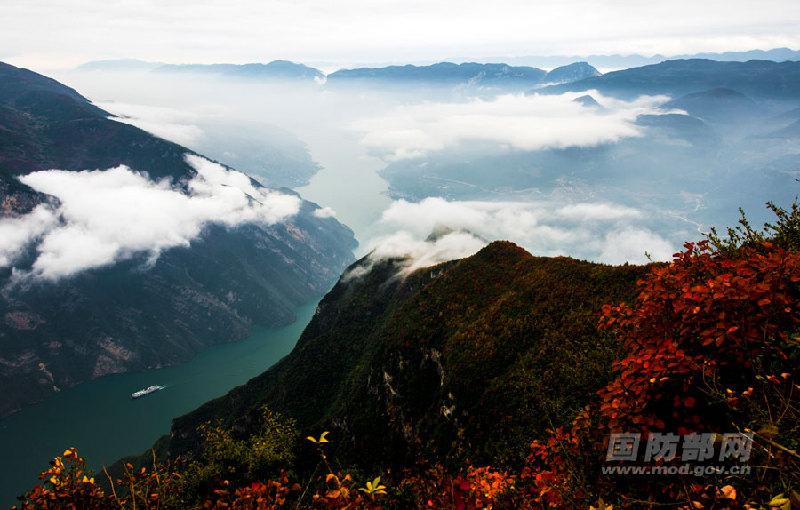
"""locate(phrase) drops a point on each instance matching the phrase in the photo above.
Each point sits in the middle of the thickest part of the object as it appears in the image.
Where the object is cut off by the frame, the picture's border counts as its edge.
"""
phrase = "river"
(101, 420)
(348, 181)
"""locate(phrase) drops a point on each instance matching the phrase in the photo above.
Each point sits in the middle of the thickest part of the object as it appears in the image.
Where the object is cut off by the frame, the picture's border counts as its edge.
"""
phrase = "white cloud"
(324, 212)
(168, 123)
(627, 245)
(518, 121)
(105, 216)
(603, 232)
(18, 233)
(426, 252)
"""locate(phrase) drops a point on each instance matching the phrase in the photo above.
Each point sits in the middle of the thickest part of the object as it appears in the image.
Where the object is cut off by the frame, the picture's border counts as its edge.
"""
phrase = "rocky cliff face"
(136, 314)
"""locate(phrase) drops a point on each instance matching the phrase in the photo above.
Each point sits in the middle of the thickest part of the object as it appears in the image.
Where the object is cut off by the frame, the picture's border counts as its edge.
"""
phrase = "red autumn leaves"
(706, 317)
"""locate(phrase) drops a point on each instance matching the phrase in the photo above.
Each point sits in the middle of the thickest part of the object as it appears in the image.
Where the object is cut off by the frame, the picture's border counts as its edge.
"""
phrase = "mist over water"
(344, 162)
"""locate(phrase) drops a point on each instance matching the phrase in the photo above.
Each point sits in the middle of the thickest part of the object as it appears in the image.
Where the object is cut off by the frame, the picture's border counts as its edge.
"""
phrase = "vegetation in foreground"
(709, 345)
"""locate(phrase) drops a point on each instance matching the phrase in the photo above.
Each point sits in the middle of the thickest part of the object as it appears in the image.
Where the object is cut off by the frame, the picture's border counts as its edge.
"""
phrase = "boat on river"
(146, 391)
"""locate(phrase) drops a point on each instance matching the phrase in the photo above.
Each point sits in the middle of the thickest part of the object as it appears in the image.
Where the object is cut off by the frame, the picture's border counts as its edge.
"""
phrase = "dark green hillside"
(49, 125)
(491, 349)
(16, 84)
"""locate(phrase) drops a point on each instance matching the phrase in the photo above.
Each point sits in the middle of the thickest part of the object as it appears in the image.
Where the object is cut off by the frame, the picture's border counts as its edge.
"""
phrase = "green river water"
(104, 423)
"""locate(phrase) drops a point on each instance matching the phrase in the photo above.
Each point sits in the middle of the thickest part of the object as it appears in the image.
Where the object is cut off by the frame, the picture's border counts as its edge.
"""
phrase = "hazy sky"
(53, 34)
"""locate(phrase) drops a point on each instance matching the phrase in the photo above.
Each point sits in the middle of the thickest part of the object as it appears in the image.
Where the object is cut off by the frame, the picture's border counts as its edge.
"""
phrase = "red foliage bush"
(702, 333)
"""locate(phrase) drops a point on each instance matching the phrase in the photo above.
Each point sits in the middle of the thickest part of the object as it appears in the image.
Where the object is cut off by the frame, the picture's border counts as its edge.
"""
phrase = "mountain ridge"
(348, 366)
(755, 78)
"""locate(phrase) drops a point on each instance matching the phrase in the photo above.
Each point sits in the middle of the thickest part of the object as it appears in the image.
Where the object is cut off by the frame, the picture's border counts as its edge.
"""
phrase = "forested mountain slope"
(400, 366)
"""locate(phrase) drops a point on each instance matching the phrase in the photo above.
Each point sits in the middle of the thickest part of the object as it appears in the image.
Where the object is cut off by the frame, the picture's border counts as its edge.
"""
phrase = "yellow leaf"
(312, 439)
(780, 502)
(322, 438)
(728, 492)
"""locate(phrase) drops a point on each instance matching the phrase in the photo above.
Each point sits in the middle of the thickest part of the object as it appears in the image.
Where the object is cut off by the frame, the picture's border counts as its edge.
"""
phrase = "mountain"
(588, 101)
(682, 127)
(443, 73)
(398, 366)
(759, 79)
(570, 73)
(137, 313)
(275, 70)
(717, 105)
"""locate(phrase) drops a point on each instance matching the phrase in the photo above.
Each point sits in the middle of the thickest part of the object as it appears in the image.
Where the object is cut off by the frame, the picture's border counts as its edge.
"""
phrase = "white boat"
(146, 391)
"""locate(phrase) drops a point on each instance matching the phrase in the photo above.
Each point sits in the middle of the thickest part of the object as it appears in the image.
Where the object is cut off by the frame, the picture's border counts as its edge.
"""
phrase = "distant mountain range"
(276, 69)
(442, 73)
(680, 75)
(617, 61)
(122, 64)
(763, 79)
(609, 61)
(136, 313)
(469, 74)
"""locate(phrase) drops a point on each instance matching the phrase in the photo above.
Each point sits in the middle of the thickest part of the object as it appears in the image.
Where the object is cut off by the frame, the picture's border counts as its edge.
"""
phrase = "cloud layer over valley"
(435, 230)
(524, 122)
(168, 123)
(105, 216)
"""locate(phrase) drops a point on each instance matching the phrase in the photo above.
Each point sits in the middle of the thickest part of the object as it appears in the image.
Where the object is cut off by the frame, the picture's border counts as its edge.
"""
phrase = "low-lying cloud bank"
(105, 216)
(603, 232)
(525, 122)
(168, 123)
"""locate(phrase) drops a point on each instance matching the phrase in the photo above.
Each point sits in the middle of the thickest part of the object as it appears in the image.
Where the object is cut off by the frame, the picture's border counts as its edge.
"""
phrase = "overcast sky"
(57, 34)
